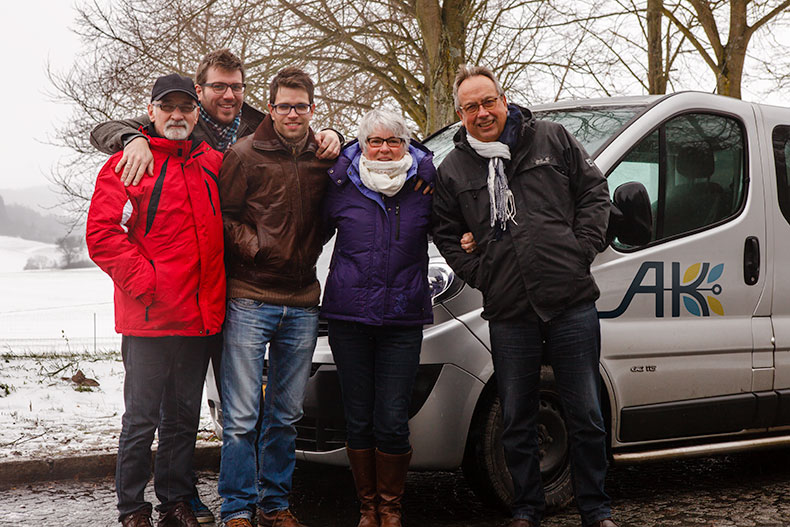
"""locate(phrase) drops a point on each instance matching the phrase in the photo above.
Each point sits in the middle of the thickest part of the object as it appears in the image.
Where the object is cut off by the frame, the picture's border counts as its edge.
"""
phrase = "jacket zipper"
(397, 220)
(146, 307)
(300, 221)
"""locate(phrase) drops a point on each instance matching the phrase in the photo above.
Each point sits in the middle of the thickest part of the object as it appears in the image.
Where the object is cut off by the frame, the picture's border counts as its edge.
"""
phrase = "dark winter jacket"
(161, 242)
(379, 269)
(112, 136)
(271, 208)
(542, 263)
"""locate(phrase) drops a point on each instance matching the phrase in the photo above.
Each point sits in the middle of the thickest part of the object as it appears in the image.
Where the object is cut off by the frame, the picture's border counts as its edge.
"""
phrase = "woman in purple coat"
(377, 299)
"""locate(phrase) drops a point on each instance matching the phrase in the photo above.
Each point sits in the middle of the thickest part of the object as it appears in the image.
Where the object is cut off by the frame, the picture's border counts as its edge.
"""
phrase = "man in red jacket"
(162, 244)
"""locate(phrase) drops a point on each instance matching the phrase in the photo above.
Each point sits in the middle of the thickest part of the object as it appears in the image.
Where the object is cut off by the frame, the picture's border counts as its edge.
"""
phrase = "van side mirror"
(630, 217)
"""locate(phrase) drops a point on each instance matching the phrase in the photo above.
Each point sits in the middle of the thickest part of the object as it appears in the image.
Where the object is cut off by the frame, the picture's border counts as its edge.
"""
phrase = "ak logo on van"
(696, 289)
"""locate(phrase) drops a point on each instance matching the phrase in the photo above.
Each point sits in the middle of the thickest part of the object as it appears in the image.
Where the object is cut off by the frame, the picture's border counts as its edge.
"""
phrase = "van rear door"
(777, 160)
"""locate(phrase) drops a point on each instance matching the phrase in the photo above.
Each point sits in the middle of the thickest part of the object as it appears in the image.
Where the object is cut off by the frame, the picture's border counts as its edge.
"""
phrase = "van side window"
(781, 140)
(694, 170)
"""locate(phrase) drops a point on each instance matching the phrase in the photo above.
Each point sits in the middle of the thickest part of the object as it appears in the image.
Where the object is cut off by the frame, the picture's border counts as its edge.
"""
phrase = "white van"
(695, 322)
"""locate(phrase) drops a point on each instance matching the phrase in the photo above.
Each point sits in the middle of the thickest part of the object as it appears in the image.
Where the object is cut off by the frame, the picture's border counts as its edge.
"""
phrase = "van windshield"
(592, 126)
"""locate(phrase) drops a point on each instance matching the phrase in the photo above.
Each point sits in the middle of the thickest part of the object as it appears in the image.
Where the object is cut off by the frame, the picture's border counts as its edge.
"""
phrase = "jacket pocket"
(474, 203)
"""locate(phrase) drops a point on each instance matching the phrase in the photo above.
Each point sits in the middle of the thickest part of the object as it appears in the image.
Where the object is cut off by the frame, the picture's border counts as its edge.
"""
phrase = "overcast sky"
(32, 32)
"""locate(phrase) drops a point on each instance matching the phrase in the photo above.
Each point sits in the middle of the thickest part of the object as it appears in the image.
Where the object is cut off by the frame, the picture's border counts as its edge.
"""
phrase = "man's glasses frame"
(285, 109)
(473, 107)
(170, 108)
(222, 87)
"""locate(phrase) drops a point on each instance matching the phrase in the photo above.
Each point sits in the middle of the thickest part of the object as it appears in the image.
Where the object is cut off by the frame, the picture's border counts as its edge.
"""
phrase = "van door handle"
(751, 260)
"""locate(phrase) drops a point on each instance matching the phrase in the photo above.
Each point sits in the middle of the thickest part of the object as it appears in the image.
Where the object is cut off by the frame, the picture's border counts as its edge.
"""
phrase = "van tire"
(484, 460)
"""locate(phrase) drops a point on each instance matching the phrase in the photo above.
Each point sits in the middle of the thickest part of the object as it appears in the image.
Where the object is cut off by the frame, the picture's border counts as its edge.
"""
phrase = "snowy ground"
(15, 252)
(45, 414)
(54, 323)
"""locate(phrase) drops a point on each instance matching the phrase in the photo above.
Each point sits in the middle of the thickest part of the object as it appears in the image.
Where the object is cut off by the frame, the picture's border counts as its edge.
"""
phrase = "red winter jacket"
(161, 242)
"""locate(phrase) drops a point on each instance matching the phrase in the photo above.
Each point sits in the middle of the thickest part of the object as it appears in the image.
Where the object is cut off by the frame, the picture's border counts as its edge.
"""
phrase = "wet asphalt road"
(747, 490)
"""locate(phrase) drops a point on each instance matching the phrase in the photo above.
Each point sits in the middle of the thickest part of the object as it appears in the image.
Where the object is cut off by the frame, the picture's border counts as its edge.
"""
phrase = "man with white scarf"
(537, 208)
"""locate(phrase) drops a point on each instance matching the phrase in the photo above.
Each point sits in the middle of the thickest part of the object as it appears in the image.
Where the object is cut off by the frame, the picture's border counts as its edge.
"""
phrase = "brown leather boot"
(141, 518)
(283, 518)
(390, 482)
(363, 467)
(180, 515)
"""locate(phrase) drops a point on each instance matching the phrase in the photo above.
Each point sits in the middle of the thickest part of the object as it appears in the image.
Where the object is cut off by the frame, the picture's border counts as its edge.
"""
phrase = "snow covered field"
(15, 252)
(54, 323)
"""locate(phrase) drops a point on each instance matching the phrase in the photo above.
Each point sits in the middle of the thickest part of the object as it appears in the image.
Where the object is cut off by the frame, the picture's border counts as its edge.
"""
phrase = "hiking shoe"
(141, 518)
(179, 516)
(283, 518)
(238, 522)
(202, 513)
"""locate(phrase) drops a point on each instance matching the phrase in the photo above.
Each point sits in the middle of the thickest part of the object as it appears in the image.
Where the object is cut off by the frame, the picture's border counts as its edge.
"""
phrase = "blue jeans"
(571, 343)
(162, 389)
(291, 334)
(377, 366)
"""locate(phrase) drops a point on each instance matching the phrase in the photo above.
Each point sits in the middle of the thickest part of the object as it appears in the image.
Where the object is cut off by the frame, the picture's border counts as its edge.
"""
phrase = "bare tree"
(400, 54)
(405, 53)
(72, 247)
(701, 22)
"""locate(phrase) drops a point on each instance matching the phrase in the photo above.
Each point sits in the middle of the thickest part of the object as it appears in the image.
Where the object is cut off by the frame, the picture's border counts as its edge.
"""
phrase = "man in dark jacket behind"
(161, 242)
(537, 208)
(271, 188)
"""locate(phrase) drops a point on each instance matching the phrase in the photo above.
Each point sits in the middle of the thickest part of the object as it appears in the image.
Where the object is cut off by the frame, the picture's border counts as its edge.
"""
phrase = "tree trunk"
(443, 29)
(728, 81)
(656, 77)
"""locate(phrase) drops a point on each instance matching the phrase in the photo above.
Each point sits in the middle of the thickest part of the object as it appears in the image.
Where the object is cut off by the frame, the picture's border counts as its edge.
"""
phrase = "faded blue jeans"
(291, 334)
(571, 343)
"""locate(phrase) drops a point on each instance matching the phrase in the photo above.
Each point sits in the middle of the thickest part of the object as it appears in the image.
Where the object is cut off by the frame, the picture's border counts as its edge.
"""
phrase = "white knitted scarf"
(503, 205)
(386, 177)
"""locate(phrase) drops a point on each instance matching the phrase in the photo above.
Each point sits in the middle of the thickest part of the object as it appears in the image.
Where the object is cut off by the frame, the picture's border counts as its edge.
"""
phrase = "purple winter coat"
(379, 269)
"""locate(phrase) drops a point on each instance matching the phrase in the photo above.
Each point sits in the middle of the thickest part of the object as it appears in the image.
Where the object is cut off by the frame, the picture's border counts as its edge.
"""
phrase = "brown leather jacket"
(271, 209)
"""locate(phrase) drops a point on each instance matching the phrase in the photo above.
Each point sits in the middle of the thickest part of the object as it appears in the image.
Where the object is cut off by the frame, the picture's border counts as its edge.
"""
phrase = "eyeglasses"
(169, 108)
(392, 142)
(285, 109)
(222, 87)
(474, 107)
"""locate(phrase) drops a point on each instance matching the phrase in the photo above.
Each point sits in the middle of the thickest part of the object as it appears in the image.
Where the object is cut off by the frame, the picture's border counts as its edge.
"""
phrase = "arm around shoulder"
(112, 136)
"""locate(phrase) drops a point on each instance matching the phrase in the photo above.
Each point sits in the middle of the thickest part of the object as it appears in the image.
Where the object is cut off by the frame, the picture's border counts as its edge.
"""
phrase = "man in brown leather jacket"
(271, 186)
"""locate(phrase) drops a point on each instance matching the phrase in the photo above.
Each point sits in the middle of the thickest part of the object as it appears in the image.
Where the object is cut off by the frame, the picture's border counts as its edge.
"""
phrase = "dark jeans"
(377, 366)
(571, 342)
(162, 389)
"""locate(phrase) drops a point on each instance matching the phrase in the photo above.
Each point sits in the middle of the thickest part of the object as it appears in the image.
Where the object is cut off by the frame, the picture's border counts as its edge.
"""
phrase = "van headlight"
(442, 281)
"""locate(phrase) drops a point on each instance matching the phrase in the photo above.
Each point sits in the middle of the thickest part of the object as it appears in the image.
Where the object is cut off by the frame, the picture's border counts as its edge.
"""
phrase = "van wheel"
(484, 461)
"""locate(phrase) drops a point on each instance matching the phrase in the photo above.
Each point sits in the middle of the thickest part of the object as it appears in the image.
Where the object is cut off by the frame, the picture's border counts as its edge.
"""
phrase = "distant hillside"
(25, 222)
(42, 198)
(15, 253)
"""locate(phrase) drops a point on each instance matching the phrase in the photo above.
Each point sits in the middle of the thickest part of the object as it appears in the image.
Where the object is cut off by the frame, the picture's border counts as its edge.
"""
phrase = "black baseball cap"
(173, 83)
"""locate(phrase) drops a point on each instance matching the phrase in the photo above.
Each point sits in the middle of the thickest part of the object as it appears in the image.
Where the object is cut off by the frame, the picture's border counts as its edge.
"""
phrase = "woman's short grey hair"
(384, 119)
(466, 71)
